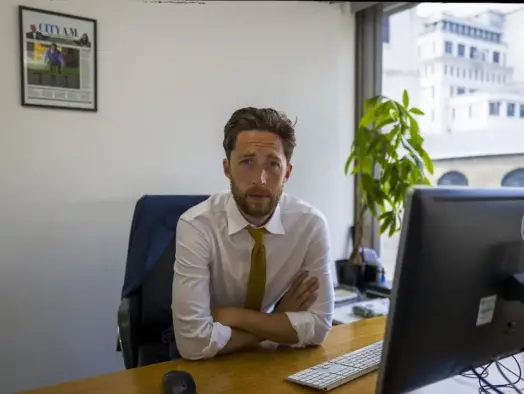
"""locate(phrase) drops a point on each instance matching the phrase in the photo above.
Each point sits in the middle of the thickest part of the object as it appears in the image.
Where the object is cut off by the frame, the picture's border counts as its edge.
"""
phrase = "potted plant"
(387, 157)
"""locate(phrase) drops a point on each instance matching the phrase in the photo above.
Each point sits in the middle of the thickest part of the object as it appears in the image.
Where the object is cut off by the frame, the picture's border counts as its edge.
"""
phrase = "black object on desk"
(360, 275)
(379, 289)
(178, 382)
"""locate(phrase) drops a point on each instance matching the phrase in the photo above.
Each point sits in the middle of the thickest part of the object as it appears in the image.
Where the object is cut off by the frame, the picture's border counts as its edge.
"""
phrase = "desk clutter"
(372, 308)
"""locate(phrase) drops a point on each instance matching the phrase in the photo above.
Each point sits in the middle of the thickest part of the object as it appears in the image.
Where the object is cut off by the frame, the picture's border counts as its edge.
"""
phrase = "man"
(241, 252)
(54, 59)
(34, 34)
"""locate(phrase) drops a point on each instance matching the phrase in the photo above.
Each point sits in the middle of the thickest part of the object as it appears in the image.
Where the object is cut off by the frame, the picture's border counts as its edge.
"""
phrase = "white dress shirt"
(213, 259)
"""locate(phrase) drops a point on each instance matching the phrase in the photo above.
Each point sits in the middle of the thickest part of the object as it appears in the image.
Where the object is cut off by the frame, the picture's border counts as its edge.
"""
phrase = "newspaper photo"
(58, 60)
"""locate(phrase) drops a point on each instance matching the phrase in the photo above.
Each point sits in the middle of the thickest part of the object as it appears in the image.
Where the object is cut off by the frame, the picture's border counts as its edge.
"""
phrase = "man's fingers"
(298, 281)
(307, 286)
(310, 300)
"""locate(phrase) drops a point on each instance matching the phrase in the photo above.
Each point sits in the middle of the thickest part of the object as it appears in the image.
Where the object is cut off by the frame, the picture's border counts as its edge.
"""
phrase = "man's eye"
(275, 164)
(246, 161)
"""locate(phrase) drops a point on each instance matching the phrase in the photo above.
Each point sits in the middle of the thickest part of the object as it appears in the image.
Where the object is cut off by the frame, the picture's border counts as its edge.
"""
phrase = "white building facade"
(459, 56)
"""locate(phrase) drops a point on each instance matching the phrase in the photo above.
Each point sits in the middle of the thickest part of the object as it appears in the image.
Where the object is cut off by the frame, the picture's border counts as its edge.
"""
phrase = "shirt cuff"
(304, 325)
(220, 336)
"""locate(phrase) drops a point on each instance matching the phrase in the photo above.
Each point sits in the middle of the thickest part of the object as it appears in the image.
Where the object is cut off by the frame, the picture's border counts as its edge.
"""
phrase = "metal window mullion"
(368, 84)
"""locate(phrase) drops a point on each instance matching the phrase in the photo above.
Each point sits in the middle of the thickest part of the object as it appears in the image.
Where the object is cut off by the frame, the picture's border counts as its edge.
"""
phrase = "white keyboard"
(343, 369)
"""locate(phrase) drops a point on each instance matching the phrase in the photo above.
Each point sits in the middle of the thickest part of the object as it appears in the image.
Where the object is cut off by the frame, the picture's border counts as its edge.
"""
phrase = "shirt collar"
(237, 222)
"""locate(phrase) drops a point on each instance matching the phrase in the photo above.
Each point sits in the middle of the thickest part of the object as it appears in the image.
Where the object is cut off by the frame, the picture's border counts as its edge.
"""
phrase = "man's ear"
(227, 169)
(289, 169)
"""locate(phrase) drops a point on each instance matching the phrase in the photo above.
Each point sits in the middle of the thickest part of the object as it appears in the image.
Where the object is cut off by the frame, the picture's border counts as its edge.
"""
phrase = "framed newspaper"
(58, 60)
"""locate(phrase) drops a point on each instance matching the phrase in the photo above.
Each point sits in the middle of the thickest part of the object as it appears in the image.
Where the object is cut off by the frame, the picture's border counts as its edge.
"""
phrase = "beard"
(256, 207)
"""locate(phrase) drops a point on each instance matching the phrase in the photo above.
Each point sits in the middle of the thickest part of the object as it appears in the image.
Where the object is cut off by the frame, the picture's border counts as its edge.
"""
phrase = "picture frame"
(58, 60)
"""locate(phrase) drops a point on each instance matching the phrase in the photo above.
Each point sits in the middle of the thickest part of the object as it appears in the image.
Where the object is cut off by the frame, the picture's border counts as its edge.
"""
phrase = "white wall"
(69, 180)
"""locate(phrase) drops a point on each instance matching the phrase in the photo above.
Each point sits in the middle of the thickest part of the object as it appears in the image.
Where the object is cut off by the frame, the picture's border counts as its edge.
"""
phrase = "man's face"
(257, 170)
(33, 28)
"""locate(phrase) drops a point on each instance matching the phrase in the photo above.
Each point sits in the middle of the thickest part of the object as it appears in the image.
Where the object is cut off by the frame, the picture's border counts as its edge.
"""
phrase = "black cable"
(486, 384)
(512, 384)
(485, 387)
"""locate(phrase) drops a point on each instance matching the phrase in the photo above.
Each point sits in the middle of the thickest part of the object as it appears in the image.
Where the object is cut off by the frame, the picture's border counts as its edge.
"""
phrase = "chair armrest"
(128, 325)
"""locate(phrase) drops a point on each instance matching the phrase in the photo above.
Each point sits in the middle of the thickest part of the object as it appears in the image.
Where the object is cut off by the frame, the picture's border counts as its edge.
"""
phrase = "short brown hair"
(263, 119)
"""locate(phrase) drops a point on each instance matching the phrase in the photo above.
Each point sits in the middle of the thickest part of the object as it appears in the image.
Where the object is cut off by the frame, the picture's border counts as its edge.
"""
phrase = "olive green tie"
(256, 285)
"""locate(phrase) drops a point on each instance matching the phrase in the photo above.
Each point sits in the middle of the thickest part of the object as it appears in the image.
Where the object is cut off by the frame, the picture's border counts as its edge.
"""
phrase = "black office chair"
(144, 315)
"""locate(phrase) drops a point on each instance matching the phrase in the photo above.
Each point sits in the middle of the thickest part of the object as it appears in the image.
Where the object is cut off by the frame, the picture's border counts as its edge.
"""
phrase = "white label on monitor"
(486, 310)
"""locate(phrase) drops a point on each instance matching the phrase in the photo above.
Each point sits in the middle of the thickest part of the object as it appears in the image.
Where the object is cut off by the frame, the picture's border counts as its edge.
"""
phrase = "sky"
(463, 9)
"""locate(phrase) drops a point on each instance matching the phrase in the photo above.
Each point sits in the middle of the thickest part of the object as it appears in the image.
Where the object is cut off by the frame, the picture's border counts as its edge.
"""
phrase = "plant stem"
(355, 257)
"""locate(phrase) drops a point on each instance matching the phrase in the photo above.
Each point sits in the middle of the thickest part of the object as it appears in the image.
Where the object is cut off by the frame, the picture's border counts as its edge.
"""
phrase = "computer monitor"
(457, 300)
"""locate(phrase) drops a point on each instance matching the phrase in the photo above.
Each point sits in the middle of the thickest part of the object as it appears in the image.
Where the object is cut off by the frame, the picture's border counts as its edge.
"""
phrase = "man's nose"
(261, 178)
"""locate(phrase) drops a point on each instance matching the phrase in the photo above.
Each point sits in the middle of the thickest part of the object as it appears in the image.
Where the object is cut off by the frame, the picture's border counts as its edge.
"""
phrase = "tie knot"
(257, 234)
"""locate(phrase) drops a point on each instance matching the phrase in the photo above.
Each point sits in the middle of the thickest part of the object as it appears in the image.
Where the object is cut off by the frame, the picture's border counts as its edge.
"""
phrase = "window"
(453, 178)
(494, 108)
(466, 99)
(510, 109)
(461, 50)
(496, 57)
(514, 178)
(473, 53)
(385, 29)
(448, 48)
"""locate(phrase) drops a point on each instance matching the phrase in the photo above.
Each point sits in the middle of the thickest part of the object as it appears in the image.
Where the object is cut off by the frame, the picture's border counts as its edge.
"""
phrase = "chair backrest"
(151, 255)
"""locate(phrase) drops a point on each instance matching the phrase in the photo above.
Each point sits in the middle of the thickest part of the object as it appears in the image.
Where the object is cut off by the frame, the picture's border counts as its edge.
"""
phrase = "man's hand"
(227, 315)
(300, 296)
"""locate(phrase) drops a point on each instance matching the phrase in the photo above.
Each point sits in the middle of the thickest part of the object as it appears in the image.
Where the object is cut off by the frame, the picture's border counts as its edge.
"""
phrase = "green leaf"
(385, 223)
(348, 163)
(371, 103)
(393, 227)
(428, 163)
(416, 111)
(405, 98)
(367, 118)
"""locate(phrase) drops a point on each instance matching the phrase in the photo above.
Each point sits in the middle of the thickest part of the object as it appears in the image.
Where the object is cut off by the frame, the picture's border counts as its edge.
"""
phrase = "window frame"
(453, 174)
(463, 46)
(515, 173)
(368, 82)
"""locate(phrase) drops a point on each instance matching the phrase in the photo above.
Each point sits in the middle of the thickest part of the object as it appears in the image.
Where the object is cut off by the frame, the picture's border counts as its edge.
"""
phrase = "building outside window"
(468, 100)
(496, 57)
(510, 109)
(494, 108)
(448, 47)
(514, 178)
(453, 178)
(461, 50)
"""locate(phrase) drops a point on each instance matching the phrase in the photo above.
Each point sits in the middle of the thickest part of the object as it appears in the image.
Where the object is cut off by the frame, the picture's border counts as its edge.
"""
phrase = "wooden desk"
(257, 371)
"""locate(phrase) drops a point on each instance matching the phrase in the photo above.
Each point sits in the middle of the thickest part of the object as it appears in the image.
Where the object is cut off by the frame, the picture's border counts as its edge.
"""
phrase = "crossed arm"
(203, 333)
